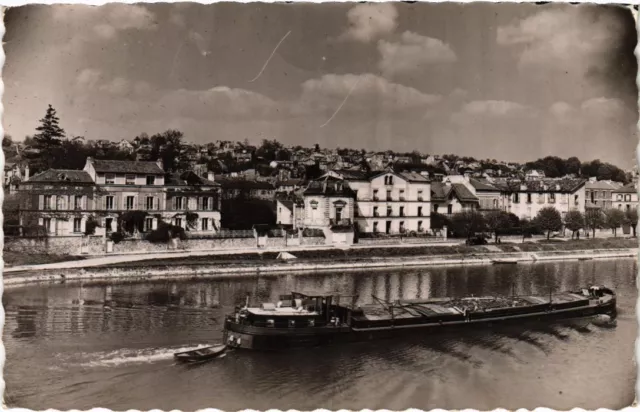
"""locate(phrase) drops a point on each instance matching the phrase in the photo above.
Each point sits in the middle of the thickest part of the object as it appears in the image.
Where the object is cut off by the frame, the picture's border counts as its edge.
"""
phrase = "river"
(84, 345)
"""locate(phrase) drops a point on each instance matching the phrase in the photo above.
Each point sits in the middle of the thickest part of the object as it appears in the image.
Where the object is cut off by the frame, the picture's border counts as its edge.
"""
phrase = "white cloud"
(373, 94)
(413, 52)
(494, 108)
(88, 78)
(567, 38)
(368, 22)
(561, 110)
(218, 102)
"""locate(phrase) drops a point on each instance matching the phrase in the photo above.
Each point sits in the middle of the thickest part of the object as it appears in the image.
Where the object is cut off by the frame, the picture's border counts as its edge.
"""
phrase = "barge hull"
(269, 339)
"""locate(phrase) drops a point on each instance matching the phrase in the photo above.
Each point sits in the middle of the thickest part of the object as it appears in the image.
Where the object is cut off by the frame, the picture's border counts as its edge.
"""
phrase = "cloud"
(218, 102)
(561, 110)
(368, 22)
(413, 53)
(493, 108)
(94, 81)
(372, 94)
(88, 78)
(566, 38)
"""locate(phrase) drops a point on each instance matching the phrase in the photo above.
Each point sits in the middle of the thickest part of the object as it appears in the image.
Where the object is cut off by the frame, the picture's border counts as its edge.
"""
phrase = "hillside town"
(162, 188)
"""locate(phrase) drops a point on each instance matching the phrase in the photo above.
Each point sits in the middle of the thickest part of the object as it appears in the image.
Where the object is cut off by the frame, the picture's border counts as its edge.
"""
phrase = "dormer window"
(130, 179)
(110, 179)
(314, 204)
(151, 180)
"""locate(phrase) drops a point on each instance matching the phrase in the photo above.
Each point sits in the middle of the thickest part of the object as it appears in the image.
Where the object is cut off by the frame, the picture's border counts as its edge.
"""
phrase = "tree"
(631, 216)
(468, 223)
(574, 221)
(47, 141)
(7, 141)
(594, 219)
(439, 221)
(614, 218)
(549, 220)
(498, 221)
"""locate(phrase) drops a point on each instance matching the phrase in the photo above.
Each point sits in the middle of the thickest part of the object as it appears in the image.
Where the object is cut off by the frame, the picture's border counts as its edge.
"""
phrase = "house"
(600, 193)
(243, 155)
(192, 202)
(489, 196)
(388, 201)
(238, 188)
(288, 185)
(525, 198)
(626, 197)
(60, 201)
(127, 186)
(290, 212)
(329, 204)
(125, 146)
(453, 194)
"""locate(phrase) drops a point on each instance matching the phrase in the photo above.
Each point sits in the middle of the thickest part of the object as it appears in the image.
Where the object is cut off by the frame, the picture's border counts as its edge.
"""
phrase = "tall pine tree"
(47, 142)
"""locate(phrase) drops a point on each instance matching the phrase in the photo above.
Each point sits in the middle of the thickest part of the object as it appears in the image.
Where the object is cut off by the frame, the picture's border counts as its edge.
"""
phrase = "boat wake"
(132, 356)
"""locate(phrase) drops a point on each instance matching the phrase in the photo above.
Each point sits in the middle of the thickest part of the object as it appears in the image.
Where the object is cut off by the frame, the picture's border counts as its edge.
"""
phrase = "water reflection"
(65, 335)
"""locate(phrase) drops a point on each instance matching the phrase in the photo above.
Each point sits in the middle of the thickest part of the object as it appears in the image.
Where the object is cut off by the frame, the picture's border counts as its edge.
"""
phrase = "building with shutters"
(62, 201)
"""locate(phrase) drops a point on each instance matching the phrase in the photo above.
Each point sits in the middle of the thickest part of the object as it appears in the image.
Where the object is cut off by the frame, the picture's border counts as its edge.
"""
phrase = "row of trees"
(554, 166)
(469, 222)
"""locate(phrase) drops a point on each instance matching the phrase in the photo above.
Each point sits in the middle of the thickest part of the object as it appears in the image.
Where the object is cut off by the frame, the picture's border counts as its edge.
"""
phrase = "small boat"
(505, 261)
(200, 355)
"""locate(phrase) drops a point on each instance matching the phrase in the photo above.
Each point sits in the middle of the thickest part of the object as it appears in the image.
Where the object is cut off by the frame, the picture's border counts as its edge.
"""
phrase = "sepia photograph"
(320, 205)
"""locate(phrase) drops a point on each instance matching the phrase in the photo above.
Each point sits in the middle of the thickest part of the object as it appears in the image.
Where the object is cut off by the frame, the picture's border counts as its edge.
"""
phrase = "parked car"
(476, 240)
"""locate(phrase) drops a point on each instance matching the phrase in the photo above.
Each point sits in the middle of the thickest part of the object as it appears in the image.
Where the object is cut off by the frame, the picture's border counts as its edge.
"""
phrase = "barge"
(300, 320)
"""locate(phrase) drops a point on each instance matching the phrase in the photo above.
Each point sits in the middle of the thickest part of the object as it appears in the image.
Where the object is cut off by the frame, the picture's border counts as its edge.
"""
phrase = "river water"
(111, 344)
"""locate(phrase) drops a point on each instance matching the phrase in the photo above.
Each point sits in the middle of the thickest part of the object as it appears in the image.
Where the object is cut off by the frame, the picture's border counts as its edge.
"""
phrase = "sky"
(502, 81)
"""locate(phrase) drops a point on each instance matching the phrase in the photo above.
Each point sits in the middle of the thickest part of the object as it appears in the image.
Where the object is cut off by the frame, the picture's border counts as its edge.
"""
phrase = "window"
(420, 195)
(150, 202)
(148, 224)
(619, 206)
(179, 202)
(528, 197)
(419, 210)
(375, 211)
(575, 200)
(388, 228)
(390, 180)
(107, 224)
(593, 197)
(151, 180)
(130, 180)
(435, 208)
(389, 211)
(109, 203)
(48, 202)
(401, 194)
(61, 203)
(619, 197)
(388, 194)
(628, 207)
(205, 224)
(516, 198)
(401, 227)
(47, 224)
(110, 179)
(375, 194)
(375, 227)
(552, 197)
(129, 202)
(401, 210)
(77, 225)
(420, 228)
(179, 221)
(205, 204)
(449, 209)
(627, 198)
(77, 202)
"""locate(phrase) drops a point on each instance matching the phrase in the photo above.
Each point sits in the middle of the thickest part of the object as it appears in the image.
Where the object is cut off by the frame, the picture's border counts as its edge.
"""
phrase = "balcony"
(389, 199)
(376, 199)
(402, 199)
(420, 199)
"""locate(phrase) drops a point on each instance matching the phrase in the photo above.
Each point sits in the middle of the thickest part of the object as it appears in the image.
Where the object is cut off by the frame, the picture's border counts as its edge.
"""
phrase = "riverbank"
(251, 264)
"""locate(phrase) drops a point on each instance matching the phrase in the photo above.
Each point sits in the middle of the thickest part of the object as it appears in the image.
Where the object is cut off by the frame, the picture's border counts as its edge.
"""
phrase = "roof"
(353, 174)
(603, 185)
(62, 175)
(187, 179)
(483, 186)
(441, 191)
(244, 184)
(289, 182)
(566, 185)
(127, 166)
(329, 186)
(629, 188)
(413, 177)
(287, 203)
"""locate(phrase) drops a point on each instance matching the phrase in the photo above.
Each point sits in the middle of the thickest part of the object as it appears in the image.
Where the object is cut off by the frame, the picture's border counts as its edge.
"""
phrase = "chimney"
(211, 176)
(26, 173)
(89, 160)
(160, 163)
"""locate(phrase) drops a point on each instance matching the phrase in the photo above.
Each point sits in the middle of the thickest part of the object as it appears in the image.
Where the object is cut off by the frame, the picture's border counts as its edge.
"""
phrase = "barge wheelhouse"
(300, 320)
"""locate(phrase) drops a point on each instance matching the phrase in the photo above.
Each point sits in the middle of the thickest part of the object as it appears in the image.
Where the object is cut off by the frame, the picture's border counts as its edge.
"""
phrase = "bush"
(90, 227)
(165, 232)
(116, 237)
